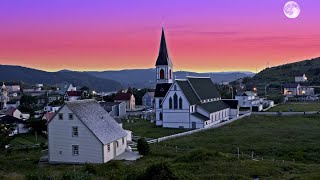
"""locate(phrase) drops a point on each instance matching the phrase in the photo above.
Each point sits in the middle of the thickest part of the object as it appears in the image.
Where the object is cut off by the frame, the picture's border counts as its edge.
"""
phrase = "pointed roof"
(163, 57)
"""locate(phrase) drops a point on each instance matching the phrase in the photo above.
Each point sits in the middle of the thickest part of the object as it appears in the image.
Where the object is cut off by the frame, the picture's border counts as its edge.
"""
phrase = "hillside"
(146, 77)
(33, 76)
(286, 73)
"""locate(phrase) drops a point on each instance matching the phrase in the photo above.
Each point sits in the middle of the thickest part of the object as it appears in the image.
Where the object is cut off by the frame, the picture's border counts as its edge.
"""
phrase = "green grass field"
(145, 128)
(210, 154)
(27, 139)
(296, 107)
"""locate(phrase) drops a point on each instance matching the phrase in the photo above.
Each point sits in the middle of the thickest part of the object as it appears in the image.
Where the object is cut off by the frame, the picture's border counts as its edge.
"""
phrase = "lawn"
(145, 128)
(296, 107)
(294, 143)
(27, 139)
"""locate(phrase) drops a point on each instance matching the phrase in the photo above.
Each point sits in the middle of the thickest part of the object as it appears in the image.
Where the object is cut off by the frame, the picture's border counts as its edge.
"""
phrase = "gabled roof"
(101, 124)
(162, 89)
(204, 88)
(74, 93)
(213, 106)
(232, 103)
(151, 94)
(10, 111)
(49, 115)
(11, 120)
(188, 92)
(122, 96)
(200, 116)
(246, 93)
(163, 57)
(290, 85)
(109, 103)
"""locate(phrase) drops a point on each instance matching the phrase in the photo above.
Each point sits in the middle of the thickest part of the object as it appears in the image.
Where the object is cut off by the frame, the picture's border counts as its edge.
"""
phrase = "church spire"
(163, 57)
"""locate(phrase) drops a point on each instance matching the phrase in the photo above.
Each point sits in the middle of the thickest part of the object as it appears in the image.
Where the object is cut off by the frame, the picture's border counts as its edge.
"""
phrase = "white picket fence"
(202, 129)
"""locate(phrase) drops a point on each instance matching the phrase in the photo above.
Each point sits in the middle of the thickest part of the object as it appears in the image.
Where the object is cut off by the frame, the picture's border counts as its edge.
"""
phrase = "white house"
(302, 78)
(249, 99)
(192, 103)
(127, 98)
(83, 132)
(72, 95)
(18, 124)
(148, 99)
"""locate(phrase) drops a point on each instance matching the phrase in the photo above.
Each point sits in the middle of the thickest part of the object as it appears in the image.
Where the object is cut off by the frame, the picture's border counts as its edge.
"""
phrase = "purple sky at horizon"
(206, 35)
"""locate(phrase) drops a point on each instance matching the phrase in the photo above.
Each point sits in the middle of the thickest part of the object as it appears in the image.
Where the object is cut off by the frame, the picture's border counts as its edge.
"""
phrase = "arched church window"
(180, 103)
(170, 103)
(175, 101)
(161, 74)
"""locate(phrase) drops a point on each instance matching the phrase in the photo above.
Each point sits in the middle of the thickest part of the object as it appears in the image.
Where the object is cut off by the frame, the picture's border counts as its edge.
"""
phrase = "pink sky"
(206, 35)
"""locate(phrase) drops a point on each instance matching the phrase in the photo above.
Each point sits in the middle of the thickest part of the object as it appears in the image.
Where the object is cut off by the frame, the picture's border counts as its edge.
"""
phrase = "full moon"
(291, 9)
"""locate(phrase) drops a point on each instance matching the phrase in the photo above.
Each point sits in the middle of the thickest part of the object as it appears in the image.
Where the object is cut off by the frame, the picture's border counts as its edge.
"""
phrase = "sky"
(202, 35)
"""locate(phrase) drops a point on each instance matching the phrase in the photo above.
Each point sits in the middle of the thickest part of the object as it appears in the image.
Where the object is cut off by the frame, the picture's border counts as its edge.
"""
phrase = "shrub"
(73, 175)
(90, 169)
(158, 172)
(143, 146)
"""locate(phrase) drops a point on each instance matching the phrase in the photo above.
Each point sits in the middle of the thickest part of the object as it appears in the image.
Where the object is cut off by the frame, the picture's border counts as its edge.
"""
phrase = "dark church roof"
(163, 57)
(162, 89)
(204, 88)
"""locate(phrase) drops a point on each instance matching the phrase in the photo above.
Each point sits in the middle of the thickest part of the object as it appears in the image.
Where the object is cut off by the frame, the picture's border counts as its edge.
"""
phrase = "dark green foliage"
(160, 171)
(143, 146)
(90, 169)
(73, 175)
(37, 125)
(5, 130)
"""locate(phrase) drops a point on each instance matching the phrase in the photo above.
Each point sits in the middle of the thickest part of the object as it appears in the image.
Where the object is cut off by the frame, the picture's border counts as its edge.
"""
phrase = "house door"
(114, 149)
(194, 125)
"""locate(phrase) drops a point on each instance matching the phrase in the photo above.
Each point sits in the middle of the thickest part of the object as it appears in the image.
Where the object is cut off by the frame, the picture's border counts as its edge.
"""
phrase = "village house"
(14, 112)
(72, 95)
(302, 78)
(83, 132)
(250, 100)
(127, 98)
(18, 124)
(295, 89)
(115, 109)
(148, 99)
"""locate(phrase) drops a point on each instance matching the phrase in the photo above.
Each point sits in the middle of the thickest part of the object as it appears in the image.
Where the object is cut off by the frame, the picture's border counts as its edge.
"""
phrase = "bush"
(38, 175)
(159, 171)
(72, 175)
(90, 169)
(143, 147)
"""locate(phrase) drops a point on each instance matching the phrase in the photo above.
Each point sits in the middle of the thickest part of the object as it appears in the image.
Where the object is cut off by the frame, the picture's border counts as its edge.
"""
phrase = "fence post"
(176, 148)
(252, 155)
(238, 153)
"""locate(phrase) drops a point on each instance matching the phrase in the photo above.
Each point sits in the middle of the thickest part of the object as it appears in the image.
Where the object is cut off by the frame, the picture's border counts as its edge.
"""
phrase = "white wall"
(114, 150)
(60, 141)
(175, 118)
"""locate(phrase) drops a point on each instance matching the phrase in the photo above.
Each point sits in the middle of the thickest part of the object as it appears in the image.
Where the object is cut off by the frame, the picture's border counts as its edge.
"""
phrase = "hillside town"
(166, 121)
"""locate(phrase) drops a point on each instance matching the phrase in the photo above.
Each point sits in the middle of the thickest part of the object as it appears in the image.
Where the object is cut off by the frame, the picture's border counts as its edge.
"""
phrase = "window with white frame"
(75, 132)
(75, 150)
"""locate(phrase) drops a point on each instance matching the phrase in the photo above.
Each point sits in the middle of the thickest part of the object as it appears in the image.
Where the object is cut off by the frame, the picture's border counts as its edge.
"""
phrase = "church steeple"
(163, 57)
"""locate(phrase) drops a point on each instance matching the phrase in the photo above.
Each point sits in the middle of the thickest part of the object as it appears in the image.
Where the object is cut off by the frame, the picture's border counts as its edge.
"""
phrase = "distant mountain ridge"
(105, 80)
(146, 77)
(33, 76)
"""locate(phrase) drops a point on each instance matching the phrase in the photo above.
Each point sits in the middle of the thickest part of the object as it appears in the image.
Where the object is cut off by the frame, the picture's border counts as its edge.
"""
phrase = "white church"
(189, 103)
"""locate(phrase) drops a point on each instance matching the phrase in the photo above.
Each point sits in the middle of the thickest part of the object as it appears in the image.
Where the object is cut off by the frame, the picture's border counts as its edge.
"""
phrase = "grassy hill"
(290, 147)
(286, 73)
(33, 76)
